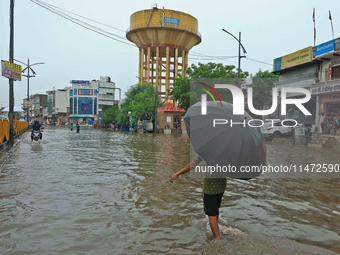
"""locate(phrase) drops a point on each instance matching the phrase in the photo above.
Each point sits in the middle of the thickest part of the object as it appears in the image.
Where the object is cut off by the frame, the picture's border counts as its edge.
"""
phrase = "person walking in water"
(78, 127)
(71, 126)
(213, 189)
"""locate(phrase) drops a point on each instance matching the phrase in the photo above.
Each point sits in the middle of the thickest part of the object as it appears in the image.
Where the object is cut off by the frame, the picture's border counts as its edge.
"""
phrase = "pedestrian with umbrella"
(231, 142)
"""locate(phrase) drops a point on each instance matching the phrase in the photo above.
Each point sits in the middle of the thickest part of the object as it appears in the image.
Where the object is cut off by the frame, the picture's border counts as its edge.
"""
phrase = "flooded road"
(101, 192)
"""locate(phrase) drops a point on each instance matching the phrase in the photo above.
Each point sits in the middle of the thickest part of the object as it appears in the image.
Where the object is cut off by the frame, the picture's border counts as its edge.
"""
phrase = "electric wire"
(194, 56)
(56, 7)
(83, 24)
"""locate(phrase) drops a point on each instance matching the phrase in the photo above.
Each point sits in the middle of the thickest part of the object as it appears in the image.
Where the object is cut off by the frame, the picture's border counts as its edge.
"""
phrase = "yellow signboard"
(28, 103)
(293, 59)
(11, 70)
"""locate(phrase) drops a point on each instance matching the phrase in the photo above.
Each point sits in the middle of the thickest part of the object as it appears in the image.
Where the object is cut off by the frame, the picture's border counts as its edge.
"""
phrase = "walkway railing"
(19, 127)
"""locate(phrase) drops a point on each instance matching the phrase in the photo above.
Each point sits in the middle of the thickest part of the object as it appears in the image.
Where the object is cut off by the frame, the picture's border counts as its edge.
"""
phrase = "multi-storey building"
(297, 70)
(87, 99)
(39, 102)
(62, 105)
(326, 88)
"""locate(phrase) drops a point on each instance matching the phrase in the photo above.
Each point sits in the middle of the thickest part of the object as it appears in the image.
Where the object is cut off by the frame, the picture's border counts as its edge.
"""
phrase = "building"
(61, 107)
(87, 99)
(164, 38)
(39, 102)
(326, 88)
(298, 70)
(51, 117)
(169, 118)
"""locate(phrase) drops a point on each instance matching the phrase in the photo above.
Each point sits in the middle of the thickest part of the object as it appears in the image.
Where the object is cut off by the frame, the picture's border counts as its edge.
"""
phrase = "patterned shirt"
(213, 186)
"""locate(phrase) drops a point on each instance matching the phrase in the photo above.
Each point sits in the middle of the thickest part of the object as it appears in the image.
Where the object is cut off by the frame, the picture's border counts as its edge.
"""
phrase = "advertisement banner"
(324, 48)
(11, 70)
(293, 59)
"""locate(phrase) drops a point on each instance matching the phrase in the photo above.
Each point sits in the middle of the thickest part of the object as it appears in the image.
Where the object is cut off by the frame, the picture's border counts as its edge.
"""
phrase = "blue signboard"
(324, 48)
(171, 20)
(80, 82)
(277, 64)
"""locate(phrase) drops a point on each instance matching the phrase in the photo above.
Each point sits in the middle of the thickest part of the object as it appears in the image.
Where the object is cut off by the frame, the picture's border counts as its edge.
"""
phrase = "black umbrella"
(235, 146)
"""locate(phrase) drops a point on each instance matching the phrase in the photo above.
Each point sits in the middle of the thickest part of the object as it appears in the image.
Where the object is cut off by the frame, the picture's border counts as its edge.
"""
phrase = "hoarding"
(80, 82)
(324, 48)
(293, 59)
(11, 70)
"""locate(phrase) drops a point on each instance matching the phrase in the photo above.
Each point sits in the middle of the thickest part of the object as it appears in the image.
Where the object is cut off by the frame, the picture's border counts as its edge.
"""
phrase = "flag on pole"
(330, 18)
(314, 25)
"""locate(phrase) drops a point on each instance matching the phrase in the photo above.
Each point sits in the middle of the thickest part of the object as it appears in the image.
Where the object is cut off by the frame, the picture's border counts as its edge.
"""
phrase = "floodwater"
(102, 192)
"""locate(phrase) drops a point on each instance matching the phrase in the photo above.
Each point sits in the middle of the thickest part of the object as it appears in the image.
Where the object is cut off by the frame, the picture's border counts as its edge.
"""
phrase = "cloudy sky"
(269, 29)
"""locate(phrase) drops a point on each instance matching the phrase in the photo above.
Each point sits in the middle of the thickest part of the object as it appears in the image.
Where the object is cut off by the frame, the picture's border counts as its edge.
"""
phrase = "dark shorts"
(212, 203)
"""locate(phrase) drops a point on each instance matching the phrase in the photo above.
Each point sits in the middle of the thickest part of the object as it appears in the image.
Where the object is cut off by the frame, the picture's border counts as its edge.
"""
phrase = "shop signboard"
(293, 59)
(11, 70)
(325, 89)
(325, 48)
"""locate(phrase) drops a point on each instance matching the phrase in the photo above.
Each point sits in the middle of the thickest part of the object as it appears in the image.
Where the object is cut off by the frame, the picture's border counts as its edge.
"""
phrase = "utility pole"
(156, 99)
(11, 90)
(239, 55)
(28, 68)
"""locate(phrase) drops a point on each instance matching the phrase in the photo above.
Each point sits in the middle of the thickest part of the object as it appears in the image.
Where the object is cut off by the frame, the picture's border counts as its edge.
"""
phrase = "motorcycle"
(36, 135)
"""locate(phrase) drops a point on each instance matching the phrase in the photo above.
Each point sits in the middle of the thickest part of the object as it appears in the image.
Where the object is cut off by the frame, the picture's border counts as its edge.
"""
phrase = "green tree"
(109, 115)
(262, 84)
(139, 99)
(181, 92)
(186, 95)
(214, 70)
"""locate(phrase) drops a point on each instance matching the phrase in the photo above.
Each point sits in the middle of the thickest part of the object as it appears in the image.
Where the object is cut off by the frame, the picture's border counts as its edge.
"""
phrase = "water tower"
(164, 38)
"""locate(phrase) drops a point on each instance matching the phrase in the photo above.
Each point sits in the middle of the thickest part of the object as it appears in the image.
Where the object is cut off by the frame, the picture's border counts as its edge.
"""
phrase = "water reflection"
(102, 192)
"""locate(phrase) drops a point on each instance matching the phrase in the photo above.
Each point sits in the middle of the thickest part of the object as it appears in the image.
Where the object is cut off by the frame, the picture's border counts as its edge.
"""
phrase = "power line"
(83, 24)
(47, 4)
(61, 12)
(259, 61)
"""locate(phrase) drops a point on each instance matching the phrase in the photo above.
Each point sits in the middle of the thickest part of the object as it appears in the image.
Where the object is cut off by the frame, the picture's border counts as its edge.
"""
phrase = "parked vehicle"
(276, 129)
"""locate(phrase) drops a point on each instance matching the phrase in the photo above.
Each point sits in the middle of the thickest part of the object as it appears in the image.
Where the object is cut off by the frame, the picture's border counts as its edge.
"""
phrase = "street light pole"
(239, 55)
(28, 68)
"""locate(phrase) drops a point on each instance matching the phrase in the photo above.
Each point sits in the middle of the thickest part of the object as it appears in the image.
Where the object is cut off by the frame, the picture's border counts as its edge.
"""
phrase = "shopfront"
(329, 101)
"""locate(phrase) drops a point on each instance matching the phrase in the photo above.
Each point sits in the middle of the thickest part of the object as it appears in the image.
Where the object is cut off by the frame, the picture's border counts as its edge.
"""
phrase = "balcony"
(105, 97)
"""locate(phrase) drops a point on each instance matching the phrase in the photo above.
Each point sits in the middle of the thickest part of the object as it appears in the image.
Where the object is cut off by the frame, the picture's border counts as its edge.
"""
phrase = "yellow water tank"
(164, 38)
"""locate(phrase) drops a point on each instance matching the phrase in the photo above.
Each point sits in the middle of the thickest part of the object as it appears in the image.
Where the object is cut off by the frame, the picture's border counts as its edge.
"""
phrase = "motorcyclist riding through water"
(36, 128)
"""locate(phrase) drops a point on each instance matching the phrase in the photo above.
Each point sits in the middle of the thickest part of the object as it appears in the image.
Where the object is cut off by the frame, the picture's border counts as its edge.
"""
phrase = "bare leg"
(213, 221)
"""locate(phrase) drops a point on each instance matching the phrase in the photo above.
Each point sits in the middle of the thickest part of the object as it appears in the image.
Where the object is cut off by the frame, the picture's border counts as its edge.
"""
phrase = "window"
(75, 105)
(85, 105)
(71, 105)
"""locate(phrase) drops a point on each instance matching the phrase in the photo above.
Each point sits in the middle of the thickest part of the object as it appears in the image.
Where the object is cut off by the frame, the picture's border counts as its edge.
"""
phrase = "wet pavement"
(102, 192)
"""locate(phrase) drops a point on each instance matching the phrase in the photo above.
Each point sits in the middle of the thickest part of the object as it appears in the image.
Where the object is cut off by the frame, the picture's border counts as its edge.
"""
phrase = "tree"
(262, 84)
(181, 92)
(186, 95)
(109, 115)
(213, 70)
(140, 99)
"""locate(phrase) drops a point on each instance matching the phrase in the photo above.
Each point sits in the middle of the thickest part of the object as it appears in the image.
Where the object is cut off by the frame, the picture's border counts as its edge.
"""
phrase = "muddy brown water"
(102, 192)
